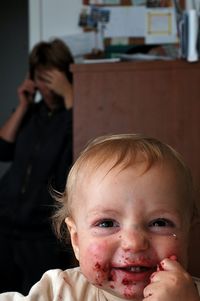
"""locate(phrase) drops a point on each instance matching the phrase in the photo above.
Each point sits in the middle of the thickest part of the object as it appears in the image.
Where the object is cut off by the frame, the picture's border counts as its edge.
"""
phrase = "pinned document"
(160, 26)
(125, 22)
(82, 43)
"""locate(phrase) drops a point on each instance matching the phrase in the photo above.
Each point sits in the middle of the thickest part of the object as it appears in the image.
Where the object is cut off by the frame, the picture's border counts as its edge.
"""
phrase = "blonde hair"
(123, 150)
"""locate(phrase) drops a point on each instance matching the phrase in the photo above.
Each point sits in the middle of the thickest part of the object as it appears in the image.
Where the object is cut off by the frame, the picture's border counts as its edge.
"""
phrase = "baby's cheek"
(173, 246)
(94, 264)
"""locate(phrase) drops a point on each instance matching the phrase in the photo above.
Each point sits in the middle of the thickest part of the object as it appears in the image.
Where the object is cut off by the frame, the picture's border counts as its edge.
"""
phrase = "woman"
(37, 138)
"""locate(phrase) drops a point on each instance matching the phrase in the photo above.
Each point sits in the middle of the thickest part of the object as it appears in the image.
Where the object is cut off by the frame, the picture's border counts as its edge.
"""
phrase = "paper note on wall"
(160, 26)
(83, 43)
(125, 22)
(156, 25)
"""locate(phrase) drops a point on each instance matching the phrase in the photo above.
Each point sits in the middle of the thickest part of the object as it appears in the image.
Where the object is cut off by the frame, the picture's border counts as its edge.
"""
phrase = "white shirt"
(68, 285)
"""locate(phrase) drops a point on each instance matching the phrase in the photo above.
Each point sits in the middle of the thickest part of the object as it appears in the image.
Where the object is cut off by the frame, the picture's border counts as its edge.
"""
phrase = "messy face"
(125, 223)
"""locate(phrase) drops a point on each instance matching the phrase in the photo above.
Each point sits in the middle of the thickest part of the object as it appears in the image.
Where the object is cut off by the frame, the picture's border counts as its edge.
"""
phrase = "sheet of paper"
(83, 43)
(97, 61)
(160, 26)
(125, 22)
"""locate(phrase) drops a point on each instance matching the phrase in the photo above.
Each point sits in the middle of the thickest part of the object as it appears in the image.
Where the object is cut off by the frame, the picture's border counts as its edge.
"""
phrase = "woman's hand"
(171, 282)
(26, 92)
(59, 84)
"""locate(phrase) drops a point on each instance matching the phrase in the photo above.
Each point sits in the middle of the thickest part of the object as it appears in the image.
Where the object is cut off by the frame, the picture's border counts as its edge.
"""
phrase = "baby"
(128, 206)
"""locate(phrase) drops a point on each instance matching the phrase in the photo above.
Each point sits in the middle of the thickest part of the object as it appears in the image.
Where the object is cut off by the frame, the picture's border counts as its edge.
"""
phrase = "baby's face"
(125, 224)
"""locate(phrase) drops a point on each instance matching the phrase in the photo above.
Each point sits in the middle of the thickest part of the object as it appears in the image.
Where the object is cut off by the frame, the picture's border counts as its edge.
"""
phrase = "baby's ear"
(73, 235)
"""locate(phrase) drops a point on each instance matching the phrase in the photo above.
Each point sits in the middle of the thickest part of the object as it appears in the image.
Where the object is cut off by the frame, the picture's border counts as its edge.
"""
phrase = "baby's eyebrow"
(165, 211)
(102, 211)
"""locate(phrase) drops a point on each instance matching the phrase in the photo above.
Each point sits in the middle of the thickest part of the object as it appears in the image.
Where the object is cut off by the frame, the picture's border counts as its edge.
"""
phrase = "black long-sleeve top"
(41, 157)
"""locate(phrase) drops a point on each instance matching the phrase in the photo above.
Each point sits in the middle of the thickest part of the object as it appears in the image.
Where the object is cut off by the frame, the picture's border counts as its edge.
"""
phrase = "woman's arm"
(10, 129)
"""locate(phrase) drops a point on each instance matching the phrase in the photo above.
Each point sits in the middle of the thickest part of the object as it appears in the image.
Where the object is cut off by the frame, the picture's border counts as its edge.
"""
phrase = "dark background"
(13, 55)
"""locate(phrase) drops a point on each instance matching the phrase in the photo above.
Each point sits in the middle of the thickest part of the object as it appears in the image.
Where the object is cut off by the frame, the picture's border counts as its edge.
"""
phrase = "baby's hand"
(171, 282)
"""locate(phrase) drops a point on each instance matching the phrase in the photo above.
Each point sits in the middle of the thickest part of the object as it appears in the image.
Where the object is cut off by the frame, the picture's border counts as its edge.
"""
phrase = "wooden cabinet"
(160, 98)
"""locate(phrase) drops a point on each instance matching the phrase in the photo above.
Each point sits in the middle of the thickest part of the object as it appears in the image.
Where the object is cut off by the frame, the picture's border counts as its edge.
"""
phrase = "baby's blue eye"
(107, 223)
(161, 222)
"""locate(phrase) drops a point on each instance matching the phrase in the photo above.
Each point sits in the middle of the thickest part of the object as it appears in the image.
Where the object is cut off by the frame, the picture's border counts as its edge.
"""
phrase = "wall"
(49, 18)
(13, 54)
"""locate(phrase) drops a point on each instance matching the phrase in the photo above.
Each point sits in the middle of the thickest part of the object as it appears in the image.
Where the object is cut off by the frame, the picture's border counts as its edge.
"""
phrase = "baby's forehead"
(114, 164)
(93, 172)
(161, 172)
(96, 173)
(107, 159)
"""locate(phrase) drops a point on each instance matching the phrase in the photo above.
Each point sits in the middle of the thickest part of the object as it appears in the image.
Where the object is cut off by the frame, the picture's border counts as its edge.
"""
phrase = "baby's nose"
(135, 240)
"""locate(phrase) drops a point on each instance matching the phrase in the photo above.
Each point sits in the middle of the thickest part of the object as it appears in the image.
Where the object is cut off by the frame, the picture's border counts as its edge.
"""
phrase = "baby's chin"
(127, 292)
(125, 295)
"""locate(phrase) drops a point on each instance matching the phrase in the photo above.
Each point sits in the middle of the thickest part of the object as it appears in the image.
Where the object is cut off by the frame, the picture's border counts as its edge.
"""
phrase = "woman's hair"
(53, 54)
(122, 151)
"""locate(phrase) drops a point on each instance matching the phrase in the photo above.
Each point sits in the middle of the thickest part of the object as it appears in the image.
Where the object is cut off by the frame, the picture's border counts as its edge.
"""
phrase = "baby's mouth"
(130, 274)
(133, 271)
(136, 269)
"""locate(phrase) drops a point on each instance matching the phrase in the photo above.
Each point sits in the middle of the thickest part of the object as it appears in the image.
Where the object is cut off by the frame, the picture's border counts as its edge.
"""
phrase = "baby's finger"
(169, 264)
(165, 266)
(150, 290)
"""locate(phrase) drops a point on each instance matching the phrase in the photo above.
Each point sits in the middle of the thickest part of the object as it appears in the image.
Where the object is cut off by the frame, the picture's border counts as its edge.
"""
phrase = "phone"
(37, 96)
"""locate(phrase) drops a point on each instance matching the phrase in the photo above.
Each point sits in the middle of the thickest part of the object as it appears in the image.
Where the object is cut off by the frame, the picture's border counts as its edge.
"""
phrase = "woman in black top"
(37, 138)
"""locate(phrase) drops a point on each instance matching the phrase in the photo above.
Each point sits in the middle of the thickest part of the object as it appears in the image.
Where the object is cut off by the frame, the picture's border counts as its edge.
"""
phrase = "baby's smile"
(136, 268)
(130, 272)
